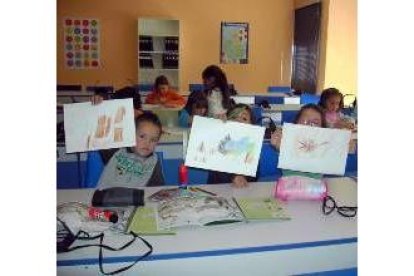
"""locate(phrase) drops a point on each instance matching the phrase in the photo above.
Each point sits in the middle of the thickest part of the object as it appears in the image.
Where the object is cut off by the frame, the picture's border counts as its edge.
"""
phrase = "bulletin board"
(81, 43)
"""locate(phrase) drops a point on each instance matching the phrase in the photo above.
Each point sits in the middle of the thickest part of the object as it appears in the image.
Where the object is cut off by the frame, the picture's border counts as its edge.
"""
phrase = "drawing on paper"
(103, 129)
(314, 149)
(241, 147)
(107, 125)
(307, 145)
(237, 151)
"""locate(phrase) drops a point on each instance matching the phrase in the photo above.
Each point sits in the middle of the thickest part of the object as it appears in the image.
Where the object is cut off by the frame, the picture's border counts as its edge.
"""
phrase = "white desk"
(309, 242)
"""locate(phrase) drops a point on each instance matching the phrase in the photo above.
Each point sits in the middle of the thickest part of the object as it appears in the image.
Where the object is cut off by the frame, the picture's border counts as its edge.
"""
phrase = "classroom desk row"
(308, 243)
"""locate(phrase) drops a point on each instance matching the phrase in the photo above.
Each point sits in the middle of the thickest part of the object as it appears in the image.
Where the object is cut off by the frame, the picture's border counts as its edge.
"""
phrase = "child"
(332, 102)
(311, 115)
(164, 95)
(197, 104)
(217, 91)
(138, 166)
(243, 114)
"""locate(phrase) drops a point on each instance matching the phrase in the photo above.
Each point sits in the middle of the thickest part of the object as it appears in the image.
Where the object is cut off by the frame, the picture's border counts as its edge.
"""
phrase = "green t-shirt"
(298, 173)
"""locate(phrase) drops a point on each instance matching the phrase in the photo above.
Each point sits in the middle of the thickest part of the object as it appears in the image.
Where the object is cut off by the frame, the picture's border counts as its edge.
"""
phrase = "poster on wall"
(109, 124)
(234, 42)
(81, 43)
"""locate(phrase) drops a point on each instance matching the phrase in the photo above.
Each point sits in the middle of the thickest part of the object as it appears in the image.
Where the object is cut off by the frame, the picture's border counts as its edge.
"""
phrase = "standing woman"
(217, 91)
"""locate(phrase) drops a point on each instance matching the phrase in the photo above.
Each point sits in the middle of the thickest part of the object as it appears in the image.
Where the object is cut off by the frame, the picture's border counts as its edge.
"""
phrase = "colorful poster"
(314, 149)
(109, 124)
(224, 146)
(234, 43)
(81, 46)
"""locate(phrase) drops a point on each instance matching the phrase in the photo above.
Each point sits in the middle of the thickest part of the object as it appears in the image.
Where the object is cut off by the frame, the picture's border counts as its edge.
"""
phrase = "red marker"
(183, 176)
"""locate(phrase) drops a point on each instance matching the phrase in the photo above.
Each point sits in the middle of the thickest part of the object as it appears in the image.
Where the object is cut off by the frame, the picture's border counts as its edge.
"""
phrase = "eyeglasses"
(329, 205)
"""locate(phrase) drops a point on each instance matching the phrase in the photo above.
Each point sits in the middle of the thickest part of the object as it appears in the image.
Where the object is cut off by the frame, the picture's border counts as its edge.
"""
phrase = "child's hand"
(239, 181)
(276, 138)
(345, 124)
(96, 99)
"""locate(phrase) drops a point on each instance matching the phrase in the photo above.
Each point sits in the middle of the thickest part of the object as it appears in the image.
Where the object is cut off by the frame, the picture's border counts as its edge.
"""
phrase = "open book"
(261, 208)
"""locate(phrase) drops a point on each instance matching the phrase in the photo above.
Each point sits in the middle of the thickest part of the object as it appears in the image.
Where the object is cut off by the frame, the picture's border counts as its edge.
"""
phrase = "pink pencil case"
(300, 188)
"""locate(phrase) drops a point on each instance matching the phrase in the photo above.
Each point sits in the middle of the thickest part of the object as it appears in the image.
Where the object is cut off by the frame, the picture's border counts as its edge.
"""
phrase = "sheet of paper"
(109, 124)
(224, 146)
(291, 100)
(314, 149)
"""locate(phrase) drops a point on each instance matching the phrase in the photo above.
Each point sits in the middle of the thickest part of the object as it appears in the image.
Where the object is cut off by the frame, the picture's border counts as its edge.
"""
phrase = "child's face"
(200, 111)
(147, 137)
(310, 117)
(332, 103)
(209, 82)
(163, 88)
(244, 117)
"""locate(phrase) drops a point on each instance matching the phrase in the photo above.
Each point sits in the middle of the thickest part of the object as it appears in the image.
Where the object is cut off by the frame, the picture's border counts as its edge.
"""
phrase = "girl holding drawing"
(243, 114)
(164, 95)
(311, 115)
(138, 166)
(332, 102)
(217, 91)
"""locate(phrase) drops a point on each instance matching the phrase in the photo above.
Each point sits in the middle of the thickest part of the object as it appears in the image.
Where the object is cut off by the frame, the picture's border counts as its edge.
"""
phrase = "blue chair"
(107, 89)
(144, 87)
(288, 116)
(306, 98)
(94, 168)
(267, 168)
(197, 176)
(196, 87)
(279, 89)
(269, 99)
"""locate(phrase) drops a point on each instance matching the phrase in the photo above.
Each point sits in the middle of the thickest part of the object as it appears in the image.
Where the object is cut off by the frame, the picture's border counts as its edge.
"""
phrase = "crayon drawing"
(314, 149)
(224, 146)
(91, 127)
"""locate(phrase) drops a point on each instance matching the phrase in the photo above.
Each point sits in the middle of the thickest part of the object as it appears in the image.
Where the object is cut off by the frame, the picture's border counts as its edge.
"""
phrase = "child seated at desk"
(197, 104)
(241, 113)
(332, 102)
(138, 166)
(164, 95)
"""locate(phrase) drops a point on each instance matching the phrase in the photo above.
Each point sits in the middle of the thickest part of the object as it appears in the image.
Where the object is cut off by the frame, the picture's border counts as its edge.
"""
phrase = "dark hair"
(196, 99)
(149, 117)
(160, 80)
(314, 107)
(328, 93)
(220, 81)
(241, 106)
(128, 92)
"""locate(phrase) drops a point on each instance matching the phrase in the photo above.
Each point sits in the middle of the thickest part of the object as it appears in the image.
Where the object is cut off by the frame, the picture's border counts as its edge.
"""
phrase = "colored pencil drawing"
(107, 125)
(224, 146)
(237, 147)
(314, 149)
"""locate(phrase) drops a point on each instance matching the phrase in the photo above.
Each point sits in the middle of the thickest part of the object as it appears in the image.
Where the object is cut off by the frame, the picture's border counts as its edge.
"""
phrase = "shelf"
(166, 69)
(159, 52)
(166, 35)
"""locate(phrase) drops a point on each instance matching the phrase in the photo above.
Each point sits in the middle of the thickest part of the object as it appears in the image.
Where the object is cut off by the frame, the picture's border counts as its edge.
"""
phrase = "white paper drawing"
(109, 124)
(314, 149)
(224, 146)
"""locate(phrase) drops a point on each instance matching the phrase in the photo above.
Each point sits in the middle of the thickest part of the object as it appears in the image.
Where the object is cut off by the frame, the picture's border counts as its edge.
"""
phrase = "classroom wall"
(341, 50)
(270, 40)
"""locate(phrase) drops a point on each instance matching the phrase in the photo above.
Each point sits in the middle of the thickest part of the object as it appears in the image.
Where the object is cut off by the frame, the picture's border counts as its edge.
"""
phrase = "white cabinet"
(158, 50)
